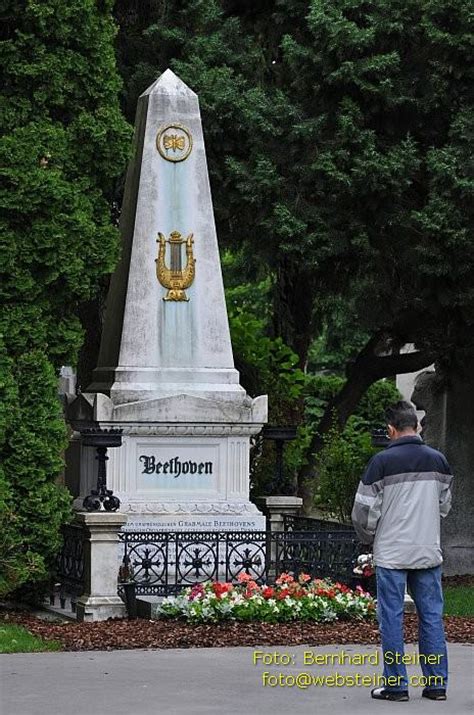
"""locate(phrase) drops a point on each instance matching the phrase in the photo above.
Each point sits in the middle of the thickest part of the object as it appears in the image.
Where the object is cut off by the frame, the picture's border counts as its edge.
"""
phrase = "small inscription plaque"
(196, 522)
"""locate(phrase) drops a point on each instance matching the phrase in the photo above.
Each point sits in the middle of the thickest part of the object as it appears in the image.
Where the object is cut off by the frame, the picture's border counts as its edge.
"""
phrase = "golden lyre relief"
(175, 278)
(174, 142)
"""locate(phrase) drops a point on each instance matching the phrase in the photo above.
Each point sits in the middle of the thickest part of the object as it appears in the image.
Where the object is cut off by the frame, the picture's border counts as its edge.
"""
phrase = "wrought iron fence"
(69, 577)
(319, 553)
(163, 563)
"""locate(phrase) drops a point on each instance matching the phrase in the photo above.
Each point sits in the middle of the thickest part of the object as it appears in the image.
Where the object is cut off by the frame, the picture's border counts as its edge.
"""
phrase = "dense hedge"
(64, 148)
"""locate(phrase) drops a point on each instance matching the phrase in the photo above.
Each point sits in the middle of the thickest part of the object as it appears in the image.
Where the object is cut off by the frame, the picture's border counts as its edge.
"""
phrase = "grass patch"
(459, 600)
(16, 639)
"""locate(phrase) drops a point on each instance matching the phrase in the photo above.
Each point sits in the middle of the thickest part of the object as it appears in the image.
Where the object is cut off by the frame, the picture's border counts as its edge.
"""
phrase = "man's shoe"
(399, 696)
(434, 694)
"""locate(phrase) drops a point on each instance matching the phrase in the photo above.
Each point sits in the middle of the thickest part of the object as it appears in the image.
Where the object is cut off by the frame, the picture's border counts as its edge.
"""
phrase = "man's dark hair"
(402, 416)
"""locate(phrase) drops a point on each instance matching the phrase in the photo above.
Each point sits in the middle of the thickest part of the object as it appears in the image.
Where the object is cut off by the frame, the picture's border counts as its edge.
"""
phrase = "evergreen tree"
(386, 177)
(64, 148)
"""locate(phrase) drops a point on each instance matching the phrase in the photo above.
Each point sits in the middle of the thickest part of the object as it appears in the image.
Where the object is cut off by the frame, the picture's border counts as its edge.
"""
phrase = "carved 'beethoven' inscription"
(174, 467)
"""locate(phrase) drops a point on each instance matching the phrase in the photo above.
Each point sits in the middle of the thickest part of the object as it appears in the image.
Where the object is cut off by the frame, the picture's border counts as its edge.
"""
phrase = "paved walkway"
(208, 681)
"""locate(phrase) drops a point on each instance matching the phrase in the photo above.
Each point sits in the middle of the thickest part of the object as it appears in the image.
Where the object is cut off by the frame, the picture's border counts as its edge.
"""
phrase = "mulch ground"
(126, 634)
(464, 580)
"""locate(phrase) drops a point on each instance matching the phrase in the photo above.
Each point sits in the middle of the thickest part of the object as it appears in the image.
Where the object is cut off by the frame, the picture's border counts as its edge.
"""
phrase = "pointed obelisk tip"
(168, 83)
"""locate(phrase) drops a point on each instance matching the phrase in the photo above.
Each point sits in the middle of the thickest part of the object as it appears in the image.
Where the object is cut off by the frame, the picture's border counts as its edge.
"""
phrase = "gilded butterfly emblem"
(174, 142)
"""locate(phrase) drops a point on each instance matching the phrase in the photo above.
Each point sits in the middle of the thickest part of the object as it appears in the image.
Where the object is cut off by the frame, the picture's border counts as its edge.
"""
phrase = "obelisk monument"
(165, 372)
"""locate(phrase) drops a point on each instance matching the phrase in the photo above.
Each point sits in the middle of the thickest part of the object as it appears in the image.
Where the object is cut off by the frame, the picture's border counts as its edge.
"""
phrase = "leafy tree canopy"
(63, 150)
(64, 147)
(338, 134)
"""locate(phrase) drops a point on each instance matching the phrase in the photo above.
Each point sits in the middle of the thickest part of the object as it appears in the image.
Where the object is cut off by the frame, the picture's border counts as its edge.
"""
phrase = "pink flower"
(304, 578)
(197, 591)
(284, 578)
(243, 577)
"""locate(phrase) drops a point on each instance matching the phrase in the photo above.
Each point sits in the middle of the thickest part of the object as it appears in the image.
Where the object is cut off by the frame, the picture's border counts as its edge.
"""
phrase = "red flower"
(221, 588)
(299, 593)
(268, 592)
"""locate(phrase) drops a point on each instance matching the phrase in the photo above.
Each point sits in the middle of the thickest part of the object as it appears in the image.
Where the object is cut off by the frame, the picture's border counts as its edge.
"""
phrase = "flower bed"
(290, 599)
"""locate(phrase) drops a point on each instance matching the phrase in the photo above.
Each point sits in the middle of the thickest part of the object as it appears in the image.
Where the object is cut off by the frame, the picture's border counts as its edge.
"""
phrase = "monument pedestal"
(174, 476)
(100, 600)
(279, 506)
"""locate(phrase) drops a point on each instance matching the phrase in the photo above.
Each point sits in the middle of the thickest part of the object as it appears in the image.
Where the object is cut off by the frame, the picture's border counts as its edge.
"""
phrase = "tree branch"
(379, 366)
(366, 369)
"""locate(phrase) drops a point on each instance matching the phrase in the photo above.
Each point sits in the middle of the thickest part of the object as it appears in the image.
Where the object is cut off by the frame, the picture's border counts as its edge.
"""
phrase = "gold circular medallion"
(174, 142)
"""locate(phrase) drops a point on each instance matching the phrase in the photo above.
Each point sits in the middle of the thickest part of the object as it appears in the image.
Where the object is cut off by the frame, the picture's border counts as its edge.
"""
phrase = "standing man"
(403, 492)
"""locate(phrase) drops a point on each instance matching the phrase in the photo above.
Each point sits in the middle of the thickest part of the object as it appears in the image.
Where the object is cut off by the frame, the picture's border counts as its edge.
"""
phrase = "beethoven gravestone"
(165, 373)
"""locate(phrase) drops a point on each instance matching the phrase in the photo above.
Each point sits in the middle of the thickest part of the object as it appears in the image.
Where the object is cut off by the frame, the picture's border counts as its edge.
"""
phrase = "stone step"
(147, 606)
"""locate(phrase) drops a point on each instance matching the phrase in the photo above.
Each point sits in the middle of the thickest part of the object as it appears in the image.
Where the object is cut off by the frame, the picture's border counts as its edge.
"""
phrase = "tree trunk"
(293, 307)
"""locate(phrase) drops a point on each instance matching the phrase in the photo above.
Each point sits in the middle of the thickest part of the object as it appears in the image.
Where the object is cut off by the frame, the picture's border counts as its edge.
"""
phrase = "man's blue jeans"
(424, 586)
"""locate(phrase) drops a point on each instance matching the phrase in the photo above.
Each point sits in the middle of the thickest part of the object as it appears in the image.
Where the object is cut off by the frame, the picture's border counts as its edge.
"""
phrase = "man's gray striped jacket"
(403, 493)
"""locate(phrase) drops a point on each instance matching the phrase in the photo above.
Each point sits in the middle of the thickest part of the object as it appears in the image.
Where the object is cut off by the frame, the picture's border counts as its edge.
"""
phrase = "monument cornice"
(189, 508)
(179, 430)
(187, 430)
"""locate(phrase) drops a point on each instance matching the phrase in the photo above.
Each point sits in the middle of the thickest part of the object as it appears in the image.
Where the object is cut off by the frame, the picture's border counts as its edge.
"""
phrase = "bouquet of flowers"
(365, 566)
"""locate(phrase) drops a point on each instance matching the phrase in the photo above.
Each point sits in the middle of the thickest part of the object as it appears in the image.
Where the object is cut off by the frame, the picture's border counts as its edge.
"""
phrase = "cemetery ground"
(26, 631)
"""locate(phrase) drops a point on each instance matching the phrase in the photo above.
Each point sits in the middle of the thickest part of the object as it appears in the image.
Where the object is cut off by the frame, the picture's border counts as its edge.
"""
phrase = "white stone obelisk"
(153, 347)
(165, 373)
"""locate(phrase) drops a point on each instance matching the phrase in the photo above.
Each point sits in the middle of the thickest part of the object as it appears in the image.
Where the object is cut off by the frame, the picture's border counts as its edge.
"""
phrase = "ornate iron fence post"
(280, 435)
(101, 498)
